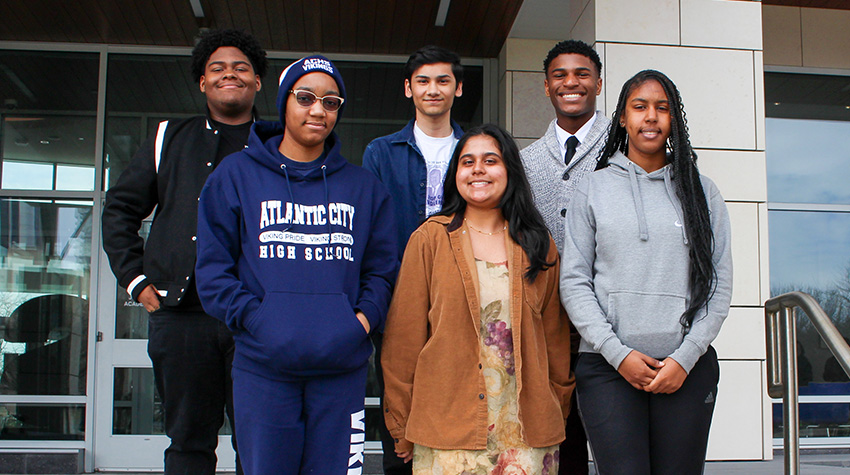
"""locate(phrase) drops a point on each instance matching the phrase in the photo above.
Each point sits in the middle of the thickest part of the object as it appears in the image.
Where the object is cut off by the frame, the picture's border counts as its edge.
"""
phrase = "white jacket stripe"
(160, 136)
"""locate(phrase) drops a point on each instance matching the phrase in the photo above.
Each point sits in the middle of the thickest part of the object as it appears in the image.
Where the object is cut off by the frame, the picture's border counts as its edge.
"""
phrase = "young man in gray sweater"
(557, 162)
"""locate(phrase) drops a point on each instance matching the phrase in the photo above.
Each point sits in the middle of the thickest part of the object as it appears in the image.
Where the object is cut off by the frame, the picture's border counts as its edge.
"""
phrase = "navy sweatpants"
(303, 426)
(634, 432)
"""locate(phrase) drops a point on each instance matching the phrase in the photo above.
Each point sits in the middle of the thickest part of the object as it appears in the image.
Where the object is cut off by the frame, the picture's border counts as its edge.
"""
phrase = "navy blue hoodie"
(265, 266)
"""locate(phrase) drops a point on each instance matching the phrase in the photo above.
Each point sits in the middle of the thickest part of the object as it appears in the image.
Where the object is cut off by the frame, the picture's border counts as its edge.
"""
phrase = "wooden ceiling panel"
(832, 4)
(240, 16)
(366, 24)
(476, 16)
(348, 28)
(419, 23)
(382, 35)
(276, 19)
(108, 16)
(170, 20)
(476, 28)
(256, 11)
(294, 11)
(331, 22)
(76, 14)
(509, 14)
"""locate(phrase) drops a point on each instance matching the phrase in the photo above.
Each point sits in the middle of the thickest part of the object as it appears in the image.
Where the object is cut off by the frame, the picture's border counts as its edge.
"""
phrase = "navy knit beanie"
(296, 70)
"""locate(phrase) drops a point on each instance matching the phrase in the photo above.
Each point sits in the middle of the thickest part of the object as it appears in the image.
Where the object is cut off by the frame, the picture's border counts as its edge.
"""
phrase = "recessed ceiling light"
(776, 103)
(197, 9)
(442, 12)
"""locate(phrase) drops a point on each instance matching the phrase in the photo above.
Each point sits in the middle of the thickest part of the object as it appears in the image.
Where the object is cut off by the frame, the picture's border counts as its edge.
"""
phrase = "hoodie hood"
(621, 165)
(263, 146)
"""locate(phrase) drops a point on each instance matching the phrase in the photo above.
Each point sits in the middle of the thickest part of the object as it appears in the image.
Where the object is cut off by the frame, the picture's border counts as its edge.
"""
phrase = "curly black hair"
(573, 47)
(212, 40)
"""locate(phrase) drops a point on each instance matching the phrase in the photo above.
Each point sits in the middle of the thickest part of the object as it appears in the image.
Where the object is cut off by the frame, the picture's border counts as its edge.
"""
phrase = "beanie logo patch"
(318, 63)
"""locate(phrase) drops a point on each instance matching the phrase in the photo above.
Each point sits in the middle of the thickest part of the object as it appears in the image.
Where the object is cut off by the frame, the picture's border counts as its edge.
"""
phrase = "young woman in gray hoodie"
(647, 281)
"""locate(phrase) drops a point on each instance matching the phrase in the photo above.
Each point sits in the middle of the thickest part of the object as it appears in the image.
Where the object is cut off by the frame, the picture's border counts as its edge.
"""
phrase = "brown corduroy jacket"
(435, 394)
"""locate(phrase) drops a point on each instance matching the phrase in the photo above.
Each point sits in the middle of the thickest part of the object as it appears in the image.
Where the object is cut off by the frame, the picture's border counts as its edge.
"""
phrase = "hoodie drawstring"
(641, 215)
(673, 199)
(327, 199)
(288, 187)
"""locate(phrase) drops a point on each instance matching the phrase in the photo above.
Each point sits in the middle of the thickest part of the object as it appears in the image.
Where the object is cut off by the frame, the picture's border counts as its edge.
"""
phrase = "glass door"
(129, 424)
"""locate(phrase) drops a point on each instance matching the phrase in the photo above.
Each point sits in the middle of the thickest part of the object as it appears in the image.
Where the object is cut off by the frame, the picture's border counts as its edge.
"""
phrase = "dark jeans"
(392, 464)
(573, 450)
(640, 433)
(192, 354)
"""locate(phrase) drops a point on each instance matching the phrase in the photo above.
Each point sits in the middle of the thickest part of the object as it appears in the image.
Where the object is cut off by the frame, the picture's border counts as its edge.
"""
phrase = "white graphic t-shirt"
(437, 152)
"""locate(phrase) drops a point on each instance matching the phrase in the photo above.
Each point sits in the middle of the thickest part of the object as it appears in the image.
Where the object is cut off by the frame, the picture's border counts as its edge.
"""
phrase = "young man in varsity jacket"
(556, 163)
(191, 351)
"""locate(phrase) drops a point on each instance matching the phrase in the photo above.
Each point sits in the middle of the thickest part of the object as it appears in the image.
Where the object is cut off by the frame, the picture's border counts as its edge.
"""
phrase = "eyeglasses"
(307, 99)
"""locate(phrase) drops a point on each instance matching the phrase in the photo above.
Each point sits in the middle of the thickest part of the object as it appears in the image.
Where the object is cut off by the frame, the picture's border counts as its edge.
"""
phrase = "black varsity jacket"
(167, 173)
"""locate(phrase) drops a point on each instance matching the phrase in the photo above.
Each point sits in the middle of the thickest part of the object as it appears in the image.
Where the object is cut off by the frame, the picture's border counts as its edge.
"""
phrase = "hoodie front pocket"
(309, 332)
(647, 322)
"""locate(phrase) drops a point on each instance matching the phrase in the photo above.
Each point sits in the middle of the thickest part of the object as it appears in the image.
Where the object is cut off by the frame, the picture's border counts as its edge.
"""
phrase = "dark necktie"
(572, 144)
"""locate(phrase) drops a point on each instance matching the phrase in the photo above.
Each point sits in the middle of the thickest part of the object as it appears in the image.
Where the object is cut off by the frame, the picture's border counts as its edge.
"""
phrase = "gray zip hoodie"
(624, 270)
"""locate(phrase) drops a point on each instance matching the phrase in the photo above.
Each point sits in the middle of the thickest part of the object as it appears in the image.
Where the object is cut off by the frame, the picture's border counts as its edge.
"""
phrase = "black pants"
(392, 464)
(573, 450)
(192, 355)
(635, 432)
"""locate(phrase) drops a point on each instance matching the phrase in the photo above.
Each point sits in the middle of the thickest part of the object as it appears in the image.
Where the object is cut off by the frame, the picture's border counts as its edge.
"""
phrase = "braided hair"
(702, 277)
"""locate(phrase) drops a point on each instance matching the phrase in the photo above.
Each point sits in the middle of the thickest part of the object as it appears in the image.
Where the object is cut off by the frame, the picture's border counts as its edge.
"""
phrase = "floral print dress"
(506, 453)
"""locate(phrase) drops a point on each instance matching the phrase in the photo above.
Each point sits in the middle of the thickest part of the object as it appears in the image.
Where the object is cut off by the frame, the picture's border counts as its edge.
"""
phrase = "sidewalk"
(811, 463)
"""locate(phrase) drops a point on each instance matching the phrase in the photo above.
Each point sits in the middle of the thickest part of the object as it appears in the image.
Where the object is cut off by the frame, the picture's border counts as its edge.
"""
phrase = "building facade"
(766, 88)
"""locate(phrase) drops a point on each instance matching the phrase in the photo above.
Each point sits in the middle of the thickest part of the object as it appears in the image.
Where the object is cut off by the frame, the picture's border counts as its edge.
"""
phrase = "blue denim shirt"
(397, 161)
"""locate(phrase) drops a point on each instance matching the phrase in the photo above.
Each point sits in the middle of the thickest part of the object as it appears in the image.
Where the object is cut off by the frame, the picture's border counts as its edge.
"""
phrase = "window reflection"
(807, 161)
(42, 422)
(809, 117)
(43, 123)
(137, 407)
(45, 260)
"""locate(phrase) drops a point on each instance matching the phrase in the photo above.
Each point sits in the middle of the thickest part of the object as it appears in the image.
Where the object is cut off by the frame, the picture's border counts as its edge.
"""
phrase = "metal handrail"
(781, 333)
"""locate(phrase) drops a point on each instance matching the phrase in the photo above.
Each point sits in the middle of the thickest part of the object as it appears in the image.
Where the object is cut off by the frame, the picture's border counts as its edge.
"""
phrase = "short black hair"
(212, 40)
(430, 55)
(573, 47)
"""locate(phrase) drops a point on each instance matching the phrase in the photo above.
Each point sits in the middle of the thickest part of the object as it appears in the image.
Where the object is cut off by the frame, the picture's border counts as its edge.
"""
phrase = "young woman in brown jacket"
(476, 349)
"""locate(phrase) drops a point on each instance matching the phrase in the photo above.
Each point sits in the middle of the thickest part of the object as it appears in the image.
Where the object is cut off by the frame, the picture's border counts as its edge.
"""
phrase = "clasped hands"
(648, 374)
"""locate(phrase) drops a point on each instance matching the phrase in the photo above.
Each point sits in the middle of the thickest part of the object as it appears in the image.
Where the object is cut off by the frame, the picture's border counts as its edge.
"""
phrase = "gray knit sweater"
(624, 272)
(552, 182)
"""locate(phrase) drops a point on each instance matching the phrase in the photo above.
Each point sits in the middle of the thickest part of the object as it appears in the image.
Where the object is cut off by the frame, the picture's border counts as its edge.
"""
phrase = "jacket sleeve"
(577, 291)
(127, 204)
(219, 246)
(406, 335)
(557, 329)
(707, 322)
(371, 161)
(378, 269)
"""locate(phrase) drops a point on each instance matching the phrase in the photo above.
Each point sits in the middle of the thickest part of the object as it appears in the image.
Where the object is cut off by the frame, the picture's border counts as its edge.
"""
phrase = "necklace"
(485, 233)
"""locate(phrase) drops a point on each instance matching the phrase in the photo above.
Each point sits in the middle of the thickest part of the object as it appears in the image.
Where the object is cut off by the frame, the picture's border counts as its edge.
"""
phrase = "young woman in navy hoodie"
(295, 254)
